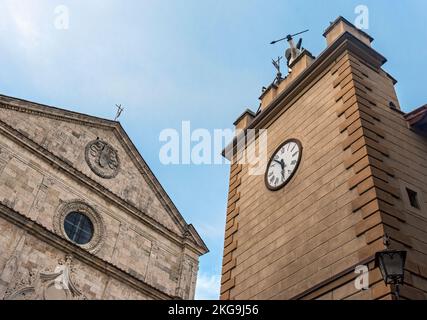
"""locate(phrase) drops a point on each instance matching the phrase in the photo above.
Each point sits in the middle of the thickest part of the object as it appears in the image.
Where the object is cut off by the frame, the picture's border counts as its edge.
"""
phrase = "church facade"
(345, 168)
(82, 216)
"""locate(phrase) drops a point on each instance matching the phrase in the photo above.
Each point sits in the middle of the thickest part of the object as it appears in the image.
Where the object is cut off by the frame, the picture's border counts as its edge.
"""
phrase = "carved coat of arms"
(103, 159)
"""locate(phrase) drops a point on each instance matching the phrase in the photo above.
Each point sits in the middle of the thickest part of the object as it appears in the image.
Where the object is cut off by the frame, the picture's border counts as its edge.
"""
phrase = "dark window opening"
(78, 228)
(413, 198)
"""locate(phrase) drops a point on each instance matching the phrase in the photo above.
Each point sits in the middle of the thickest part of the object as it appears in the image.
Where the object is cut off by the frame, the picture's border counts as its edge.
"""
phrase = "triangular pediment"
(99, 150)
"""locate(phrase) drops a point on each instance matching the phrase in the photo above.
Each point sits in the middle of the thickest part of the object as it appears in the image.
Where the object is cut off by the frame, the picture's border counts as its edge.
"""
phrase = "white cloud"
(208, 287)
(24, 17)
(211, 231)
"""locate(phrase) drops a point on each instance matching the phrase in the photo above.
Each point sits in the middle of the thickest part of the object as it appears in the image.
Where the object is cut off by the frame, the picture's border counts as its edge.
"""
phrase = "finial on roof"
(276, 64)
(120, 109)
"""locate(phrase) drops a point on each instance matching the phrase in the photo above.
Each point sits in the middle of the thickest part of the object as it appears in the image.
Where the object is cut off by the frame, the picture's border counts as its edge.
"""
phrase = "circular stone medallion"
(103, 159)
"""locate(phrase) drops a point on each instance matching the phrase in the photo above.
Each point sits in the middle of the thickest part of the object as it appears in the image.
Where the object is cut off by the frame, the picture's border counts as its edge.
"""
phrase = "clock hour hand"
(279, 162)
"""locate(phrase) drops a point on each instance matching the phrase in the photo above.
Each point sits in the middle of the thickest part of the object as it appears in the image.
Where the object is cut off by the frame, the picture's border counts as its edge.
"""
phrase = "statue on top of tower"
(294, 50)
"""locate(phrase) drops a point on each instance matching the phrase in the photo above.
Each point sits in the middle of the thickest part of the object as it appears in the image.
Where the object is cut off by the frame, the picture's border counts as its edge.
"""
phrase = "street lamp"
(391, 264)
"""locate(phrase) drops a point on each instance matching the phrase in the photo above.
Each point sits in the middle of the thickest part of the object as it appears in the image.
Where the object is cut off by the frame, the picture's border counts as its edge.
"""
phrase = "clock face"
(283, 164)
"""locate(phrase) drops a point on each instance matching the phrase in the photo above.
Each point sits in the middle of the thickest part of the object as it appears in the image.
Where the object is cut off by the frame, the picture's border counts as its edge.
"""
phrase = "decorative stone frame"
(98, 238)
(96, 169)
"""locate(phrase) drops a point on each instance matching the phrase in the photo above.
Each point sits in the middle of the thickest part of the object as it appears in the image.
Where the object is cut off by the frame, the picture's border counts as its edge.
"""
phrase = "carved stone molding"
(94, 261)
(188, 271)
(23, 287)
(99, 232)
(155, 248)
(103, 159)
(5, 157)
(11, 267)
(48, 284)
(40, 198)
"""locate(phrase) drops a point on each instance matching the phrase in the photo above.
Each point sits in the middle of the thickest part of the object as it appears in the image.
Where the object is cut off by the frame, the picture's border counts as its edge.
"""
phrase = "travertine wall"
(67, 140)
(385, 157)
(31, 186)
(407, 157)
(23, 253)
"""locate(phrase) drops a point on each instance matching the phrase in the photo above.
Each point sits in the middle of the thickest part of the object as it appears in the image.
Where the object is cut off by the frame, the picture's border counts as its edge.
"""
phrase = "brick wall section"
(343, 288)
(407, 154)
(375, 136)
(372, 178)
(231, 228)
(366, 92)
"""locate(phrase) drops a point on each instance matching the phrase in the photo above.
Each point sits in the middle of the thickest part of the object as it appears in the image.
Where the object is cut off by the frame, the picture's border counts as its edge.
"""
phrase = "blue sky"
(170, 61)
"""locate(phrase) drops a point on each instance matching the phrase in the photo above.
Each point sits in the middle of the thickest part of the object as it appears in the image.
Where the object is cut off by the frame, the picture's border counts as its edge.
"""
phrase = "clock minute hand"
(283, 165)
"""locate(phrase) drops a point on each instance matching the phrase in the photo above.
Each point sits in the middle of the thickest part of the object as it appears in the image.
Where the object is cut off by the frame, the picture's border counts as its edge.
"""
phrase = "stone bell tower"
(345, 168)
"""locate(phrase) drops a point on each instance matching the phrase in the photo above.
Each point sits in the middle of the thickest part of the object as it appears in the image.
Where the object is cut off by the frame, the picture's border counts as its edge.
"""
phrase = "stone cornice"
(84, 256)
